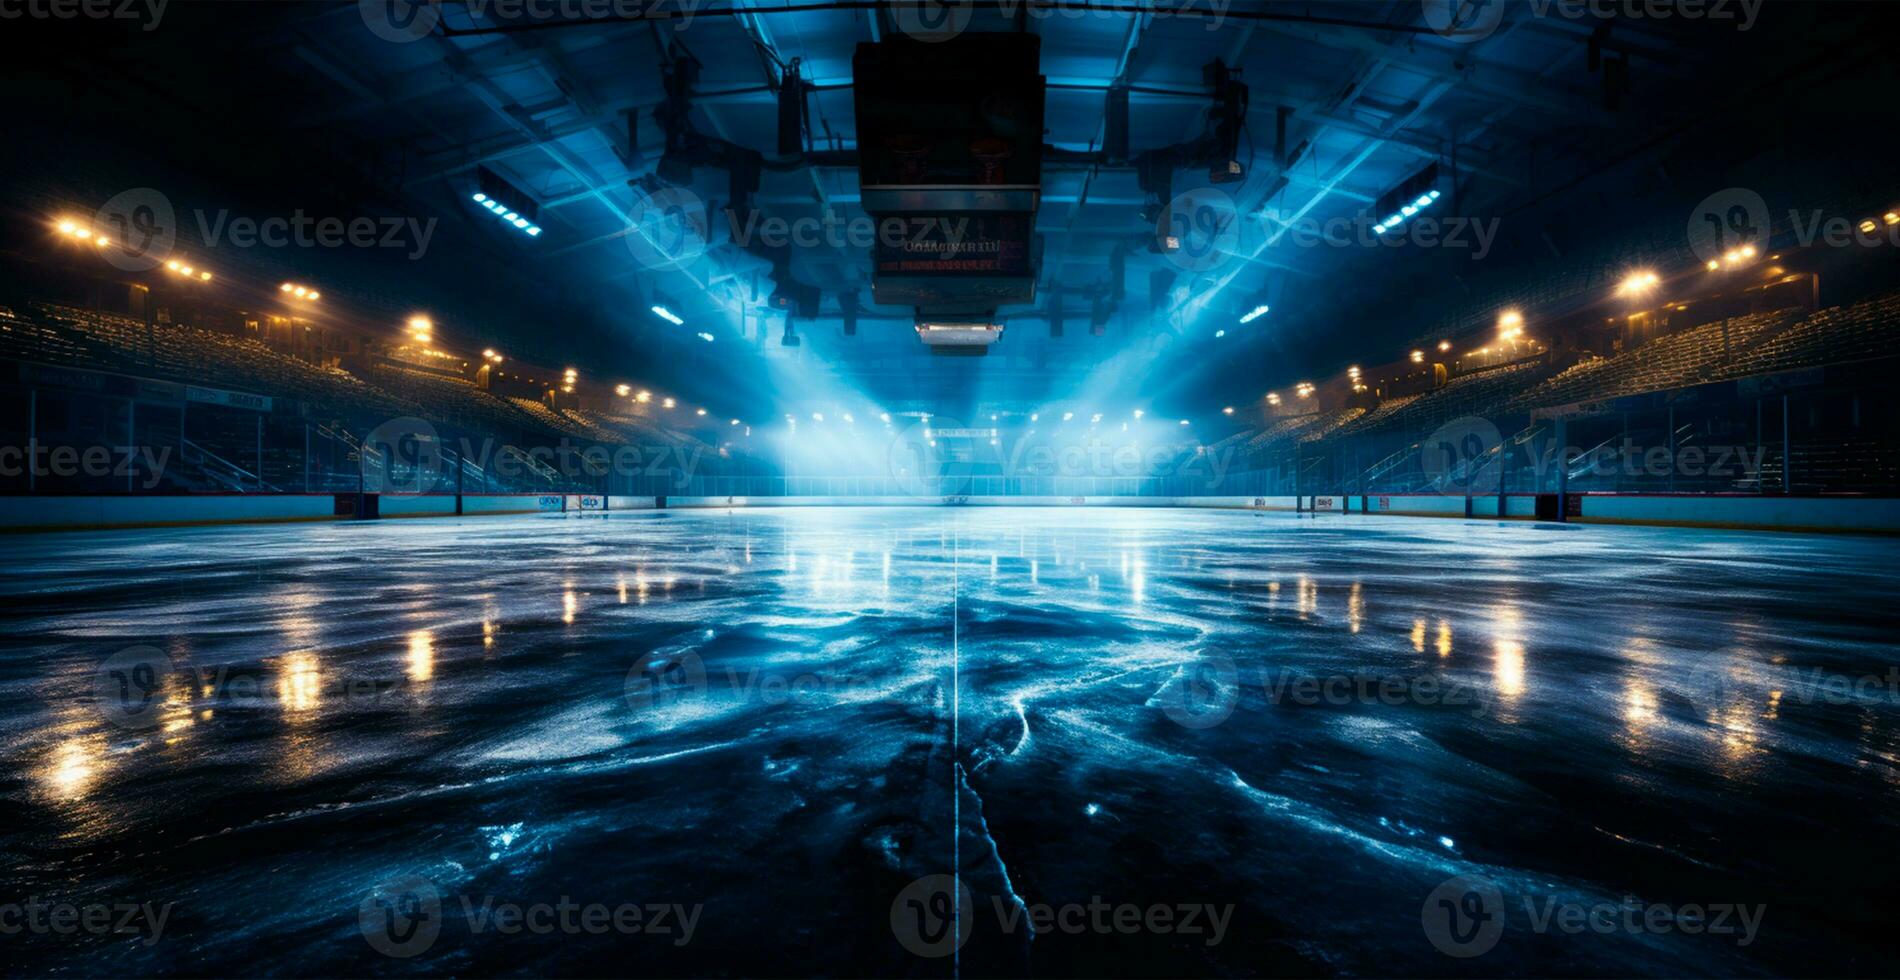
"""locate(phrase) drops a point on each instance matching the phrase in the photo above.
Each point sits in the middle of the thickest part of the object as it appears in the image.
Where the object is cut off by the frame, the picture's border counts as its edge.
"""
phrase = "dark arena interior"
(911, 488)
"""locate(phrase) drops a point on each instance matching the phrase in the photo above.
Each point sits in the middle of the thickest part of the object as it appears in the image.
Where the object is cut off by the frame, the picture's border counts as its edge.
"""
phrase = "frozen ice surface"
(784, 717)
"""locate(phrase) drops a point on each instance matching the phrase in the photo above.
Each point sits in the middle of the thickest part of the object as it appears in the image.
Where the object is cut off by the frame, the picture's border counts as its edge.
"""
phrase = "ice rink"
(762, 727)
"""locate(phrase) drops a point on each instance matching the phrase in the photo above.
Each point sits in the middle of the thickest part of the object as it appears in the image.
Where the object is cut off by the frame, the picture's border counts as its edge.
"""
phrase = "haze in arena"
(949, 488)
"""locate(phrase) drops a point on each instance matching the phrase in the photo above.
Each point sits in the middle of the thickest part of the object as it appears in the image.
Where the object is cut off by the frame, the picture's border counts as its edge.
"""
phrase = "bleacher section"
(1701, 354)
(309, 438)
(460, 403)
(1480, 393)
(1300, 428)
(1836, 335)
(64, 335)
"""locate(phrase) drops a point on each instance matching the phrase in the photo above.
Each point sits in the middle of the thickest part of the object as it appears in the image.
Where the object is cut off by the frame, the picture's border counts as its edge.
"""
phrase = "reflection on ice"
(805, 731)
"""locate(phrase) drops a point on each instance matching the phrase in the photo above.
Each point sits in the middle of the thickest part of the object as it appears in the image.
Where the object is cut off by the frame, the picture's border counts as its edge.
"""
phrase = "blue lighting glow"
(513, 218)
(703, 335)
(668, 315)
(1397, 218)
(1254, 314)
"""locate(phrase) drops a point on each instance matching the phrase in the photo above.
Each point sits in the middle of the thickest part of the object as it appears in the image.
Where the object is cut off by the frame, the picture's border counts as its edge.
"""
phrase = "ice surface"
(787, 716)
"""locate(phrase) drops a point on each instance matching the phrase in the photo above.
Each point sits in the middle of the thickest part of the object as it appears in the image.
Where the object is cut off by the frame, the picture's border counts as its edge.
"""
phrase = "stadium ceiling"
(1348, 100)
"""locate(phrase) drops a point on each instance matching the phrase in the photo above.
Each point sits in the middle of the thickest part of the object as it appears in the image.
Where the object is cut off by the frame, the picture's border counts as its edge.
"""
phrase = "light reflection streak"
(73, 768)
(299, 684)
(1508, 668)
(421, 661)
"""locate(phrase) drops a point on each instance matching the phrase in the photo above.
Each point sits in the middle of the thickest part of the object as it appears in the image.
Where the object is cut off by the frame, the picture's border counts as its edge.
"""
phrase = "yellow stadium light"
(1637, 283)
(622, 390)
(643, 397)
(68, 228)
(420, 324)
(1868, 226)
(666, 403)
(313, 295)
(1714, 265)
(1444, 345)
(82, 234)
(204, 277)
(286, 287)
(1891, 217)
(1418, 357)
(172, 265)
(103, 241)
